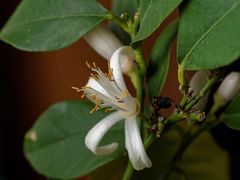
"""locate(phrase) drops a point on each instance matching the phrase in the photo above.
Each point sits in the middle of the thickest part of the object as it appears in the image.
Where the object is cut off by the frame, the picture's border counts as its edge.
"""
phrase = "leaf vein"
(186, 58)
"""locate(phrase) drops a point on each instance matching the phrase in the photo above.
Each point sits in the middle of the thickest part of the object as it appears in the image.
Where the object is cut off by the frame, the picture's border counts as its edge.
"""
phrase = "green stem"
(181, 77)
(138, 84)
(128, 172)
(209, 84)
(136, 23)
(119, 22)
(137, 76)
(173, 118)
(140, 60)
(183, 86)
(183, 101)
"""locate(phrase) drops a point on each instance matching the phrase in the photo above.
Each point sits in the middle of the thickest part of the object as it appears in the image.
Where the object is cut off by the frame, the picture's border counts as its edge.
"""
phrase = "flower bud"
(229, 87)
(197, 82)
(126, 57)
(103, 41)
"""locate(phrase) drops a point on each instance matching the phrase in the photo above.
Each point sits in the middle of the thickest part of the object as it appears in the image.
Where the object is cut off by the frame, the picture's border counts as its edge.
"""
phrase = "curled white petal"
(197, 82)
(103, 41)
(230, 86)
(122, 60)
(134, 145)
(95, 135)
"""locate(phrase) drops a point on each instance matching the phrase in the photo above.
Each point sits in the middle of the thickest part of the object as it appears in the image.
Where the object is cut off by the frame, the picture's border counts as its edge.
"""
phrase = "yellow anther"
(95, 108)
(94, 76)
(76, 88)
(88, 65)
(94, 65)
(94, 96)
(110, 73)
(107, 110)
(85, 87)
(83, 95)
(98, 101)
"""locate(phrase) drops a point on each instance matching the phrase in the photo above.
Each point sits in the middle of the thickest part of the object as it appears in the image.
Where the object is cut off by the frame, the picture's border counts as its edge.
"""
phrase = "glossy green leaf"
(209, 34)
(46, 25)
(204, 159)
(160, 56)
(153, 13)
(55, 144)
(231, 115)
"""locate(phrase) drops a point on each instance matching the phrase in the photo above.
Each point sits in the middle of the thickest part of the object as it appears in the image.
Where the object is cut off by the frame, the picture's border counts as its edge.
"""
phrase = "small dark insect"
(156, 120)
(162, 103)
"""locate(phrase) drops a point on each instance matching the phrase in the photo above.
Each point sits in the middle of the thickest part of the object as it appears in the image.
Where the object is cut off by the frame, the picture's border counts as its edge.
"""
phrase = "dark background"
(30, 82)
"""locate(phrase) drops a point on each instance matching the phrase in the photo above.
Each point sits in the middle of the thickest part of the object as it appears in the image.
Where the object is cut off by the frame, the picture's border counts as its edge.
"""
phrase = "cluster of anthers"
(112, 97)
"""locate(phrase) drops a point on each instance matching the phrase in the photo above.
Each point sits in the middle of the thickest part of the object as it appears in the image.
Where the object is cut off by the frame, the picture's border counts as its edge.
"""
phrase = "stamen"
(107, 110)
(94, 96)
(85, 88)
(95, 109)
(94, 65)
(88, 65)
(110, 73)
(94, 76)
(76, 88)
(83, 95)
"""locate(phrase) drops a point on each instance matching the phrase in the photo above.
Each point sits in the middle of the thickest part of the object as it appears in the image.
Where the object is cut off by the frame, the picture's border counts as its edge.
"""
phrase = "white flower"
(109, 91)
(197, 82)
(229, 87)
(103, 41)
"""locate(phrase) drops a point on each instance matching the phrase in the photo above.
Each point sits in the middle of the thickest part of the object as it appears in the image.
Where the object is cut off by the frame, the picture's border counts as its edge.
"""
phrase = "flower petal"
(134, 145)
(122, 60)
(229, 87)
(95, 135)
(103, 41)
(92, 83)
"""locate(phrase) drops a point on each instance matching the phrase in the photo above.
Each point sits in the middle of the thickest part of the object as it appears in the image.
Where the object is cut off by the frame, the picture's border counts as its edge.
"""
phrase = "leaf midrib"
(147, 10)
(53, 18)
(185, 60)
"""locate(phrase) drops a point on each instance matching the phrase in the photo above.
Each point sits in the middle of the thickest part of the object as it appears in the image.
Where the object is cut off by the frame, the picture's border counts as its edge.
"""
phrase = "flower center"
(103, 90)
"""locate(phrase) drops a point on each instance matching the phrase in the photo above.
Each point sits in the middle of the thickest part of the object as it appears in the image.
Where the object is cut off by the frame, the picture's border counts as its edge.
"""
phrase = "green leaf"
(152, 13)
(46, 25)
(204, 159)
(119, 7)
(231, 115)
(209, 34)
(55, 144)
(160, 56)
